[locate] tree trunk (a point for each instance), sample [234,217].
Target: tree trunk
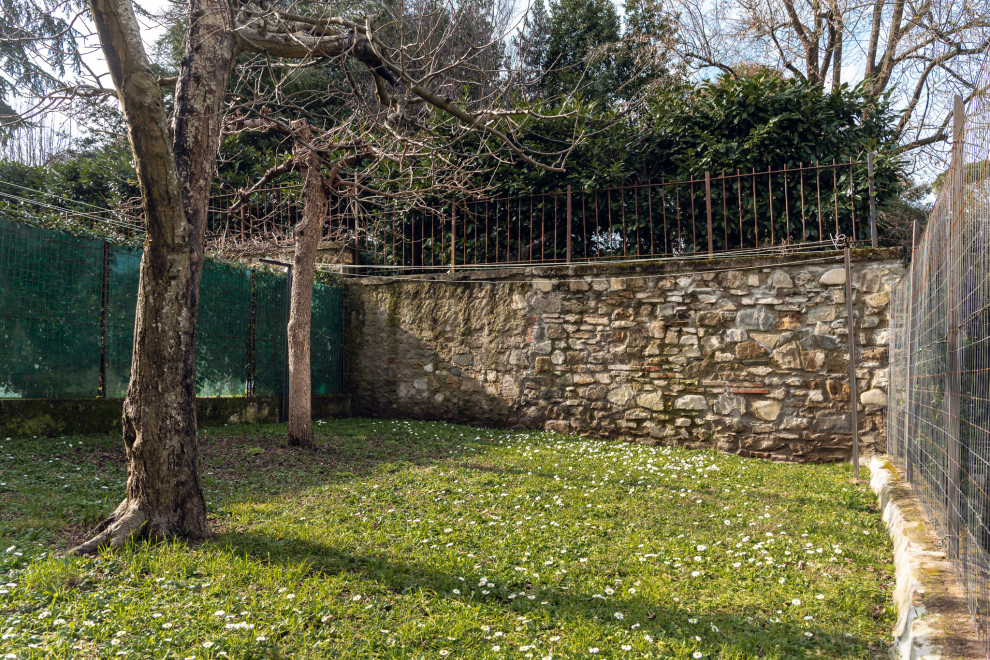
[164,491]
[307,235]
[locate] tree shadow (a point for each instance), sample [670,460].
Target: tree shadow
[755,635]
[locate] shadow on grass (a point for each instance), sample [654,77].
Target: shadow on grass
[719,631]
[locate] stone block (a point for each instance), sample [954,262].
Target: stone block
[728,404]
[789,321]
[621,396]
[813,360]
[878,300]
[756,318]
[833,277]
[578,286]
[766,409]
[651,400]
[750,350]
[656,329]
[787,356]
[873,397]
[709,319]
[766,339]
[821,314]
[712,343]
[736,334]
[780,280]
[833,423]
[691,402]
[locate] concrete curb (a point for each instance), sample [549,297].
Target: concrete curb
[933,621]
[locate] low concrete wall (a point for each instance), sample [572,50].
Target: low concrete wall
[748,355]
[51,417]
[932,617]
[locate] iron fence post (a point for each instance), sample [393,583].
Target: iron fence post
[453,236]
[873,200]
[853,387]
[708,208]
[568,223]
[953,254]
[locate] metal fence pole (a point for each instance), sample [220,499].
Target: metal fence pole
[953,254]
[568,223]
[909,369]
[453,236]
[873,200]
[854,389]
[708,208]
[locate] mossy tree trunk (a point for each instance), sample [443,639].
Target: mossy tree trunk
[164,491]
[307,234]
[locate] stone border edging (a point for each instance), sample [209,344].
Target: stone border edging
[933,620]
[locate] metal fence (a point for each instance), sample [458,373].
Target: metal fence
[939,426]
[737,211]
[67,307]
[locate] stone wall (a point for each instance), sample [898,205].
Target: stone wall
[747,355]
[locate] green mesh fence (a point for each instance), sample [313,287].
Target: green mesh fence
[223,331]
[269,333]
[50,294]
[55,340]
[124,270]
[326,340]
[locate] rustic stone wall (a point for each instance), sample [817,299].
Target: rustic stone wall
[747,355]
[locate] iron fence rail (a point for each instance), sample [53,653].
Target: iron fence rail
[939,426]
[736,211]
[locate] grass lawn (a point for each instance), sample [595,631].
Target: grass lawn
[399,539]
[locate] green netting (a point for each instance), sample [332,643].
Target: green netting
[125,269]
[50,295]
[327,340]
[269,333]
[223,331]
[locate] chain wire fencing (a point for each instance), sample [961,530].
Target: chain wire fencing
[67,305]
[939,426]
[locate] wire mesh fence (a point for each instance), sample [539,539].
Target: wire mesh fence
[67,307]
[939,426]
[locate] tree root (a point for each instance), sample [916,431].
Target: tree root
[127,523]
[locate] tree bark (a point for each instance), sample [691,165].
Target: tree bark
[164,491]
[307,234]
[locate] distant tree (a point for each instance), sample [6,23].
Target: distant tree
[529,50]
[923,51]
[581,48]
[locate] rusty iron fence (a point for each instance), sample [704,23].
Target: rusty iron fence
[738,211]
[939,426]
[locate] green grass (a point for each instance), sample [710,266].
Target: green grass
[399,539]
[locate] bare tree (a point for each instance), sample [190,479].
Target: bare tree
[926,51]
[419,102]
